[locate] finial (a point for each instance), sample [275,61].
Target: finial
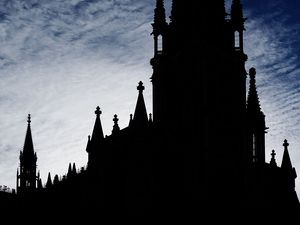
[116,127]
[273,161]
[285,144]
[98,111]
[252,72]
[115,119]
[141,87]
[29,119]
[273,154]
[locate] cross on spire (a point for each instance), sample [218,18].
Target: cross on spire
[116,127]
[285,144]
[115,119]
[273,161]
[273,154]
[98,111]
[141,87]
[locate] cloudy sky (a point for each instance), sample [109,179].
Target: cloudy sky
[59,59]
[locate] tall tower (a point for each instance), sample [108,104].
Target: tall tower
[95,142]
[256,127]
[199,94]
[26,175]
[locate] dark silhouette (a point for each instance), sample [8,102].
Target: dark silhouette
[202,151]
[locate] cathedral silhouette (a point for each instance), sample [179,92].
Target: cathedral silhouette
[201,151]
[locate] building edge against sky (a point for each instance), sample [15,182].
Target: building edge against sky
[186,52]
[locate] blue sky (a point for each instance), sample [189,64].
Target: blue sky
[59,59]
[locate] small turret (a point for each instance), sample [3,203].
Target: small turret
[116,127]
[140,118]
[256,126]
[159,27]
[286,160]
[273,161]
[287,168]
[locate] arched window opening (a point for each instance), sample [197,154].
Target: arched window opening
[237,40]
[159,44]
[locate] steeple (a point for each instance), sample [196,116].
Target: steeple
[286,161]
[140,117]
[116,127]
[27,178]
[273,161]
[28,144]
[288,169]
[253,105]
[94,143]
[97,135]
[256,127]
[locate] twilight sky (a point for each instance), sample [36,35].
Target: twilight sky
[59,59]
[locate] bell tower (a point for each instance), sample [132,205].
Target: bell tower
[26,175]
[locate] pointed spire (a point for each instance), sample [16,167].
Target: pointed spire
[273,161]
[49,181]
[74,171]
[116,127]
[69,170]
[253,105]
[28,144]
[55,180]
[237,17]
[286,161]
[97,132]
[140,114]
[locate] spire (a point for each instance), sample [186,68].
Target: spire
[74,171]
[28,144]
[160,23]
[237,17]
[140,115]
[273,161]
[69,170]
[49,181]
[116,127]
[97,132]
[253,105]
[286,161]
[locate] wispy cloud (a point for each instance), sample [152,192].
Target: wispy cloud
[61,59]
